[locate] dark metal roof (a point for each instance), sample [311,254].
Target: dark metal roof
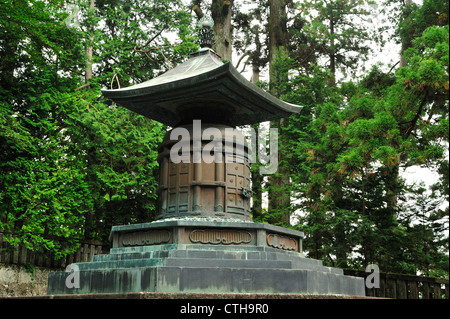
[203,88]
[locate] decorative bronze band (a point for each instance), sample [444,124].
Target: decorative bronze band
[282,242]
[152,237]
[225,237]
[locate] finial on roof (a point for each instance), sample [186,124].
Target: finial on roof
[206,33]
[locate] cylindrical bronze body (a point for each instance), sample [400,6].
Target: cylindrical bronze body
[204,172]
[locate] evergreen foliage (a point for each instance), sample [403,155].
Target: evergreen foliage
[72,164]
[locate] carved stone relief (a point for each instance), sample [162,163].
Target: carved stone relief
[216,236]
[282,242]
[152,237]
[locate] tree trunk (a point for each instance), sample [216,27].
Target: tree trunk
[277,30]
[279,190]
[8,60]
[365,244]
[395,171]
[89,47]
[255,74]
[405,44]
[332,53]
[221,13]
[197,8]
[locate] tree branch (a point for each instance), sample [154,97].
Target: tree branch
[57,4]
[83,86]
[416,117]
[390,70]
[241,58]
[143,51]
[197,9]
[150,41]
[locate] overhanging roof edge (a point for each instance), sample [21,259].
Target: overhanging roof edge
[147,100]
[224,70]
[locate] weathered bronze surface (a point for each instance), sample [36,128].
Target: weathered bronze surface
[215,187]
[203,88]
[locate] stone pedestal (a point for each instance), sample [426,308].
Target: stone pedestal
[207,231]
[198,255]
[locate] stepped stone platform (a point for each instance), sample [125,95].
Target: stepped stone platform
[203,296]
[191,256]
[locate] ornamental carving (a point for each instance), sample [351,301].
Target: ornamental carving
[152,237]
[282,242]
[224,237]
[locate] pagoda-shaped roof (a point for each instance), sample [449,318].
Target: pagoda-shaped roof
[203,88]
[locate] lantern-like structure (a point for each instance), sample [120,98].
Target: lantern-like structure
[204,239]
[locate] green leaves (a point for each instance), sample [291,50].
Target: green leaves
[72,166]
[428,62]
[349,155]
[119,149]
[336,31]
[132,45]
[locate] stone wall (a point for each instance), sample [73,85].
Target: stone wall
[25,281]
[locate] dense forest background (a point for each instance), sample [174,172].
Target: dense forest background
[72,164]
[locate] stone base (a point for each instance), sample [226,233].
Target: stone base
[179,296]
[205,257]
[206,231]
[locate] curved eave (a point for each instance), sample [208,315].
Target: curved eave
[223,84]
